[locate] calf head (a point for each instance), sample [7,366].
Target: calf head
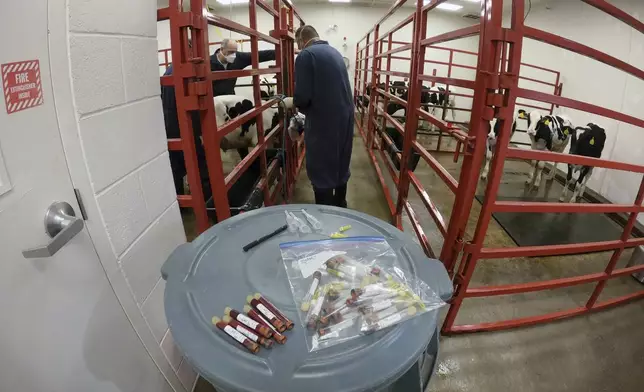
[590,141]
[239,109]
[399,89]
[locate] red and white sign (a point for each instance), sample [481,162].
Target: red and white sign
[21,84]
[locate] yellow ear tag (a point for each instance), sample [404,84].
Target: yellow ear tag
[522,115]
[592,141]
[547,122]
[566,131]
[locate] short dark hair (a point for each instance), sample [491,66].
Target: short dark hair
[306,33]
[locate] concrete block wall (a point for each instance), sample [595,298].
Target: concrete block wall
[134,218]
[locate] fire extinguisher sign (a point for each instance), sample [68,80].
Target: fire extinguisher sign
[21,84]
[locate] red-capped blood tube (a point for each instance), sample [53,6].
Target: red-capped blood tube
[267,343]
[289,324]
[252,313]
[250,323]
[306,301]
[238,336]
[266,313]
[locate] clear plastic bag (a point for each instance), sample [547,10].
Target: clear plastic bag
[350,287]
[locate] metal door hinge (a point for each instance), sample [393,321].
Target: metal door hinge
[81,206]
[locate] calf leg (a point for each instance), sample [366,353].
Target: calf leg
[537,180]
[551,173]
[486,168]
[533,166]
[580,187]
[564,192]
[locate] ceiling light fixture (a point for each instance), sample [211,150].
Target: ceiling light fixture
[339,1]
[449,6]
[228,2]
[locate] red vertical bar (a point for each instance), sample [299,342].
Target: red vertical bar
[413,102]
[211,139]
[492,27]
[178,45]
[355,77]
[372,96]
[254,58]
[440,131]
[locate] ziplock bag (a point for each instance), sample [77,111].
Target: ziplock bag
[349,287]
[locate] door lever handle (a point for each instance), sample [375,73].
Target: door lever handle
[61,224]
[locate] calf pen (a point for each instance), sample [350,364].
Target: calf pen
[495,90]
[192,81]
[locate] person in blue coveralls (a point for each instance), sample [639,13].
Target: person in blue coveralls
[323,95]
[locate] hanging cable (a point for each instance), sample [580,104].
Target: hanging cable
[529,9]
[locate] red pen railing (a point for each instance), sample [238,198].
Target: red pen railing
[500,84]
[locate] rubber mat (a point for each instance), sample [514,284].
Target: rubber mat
[533,229]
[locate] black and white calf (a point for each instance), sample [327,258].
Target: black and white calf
[399,89]
[493,134]
[228,107]
[586,141]
[552,133]
[438,96]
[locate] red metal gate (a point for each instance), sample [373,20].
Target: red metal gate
[192,80]
[495,93]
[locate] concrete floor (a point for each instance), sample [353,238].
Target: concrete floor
[599,352]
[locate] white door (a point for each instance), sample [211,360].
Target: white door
[62,328]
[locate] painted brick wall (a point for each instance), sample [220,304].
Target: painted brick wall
[115,84]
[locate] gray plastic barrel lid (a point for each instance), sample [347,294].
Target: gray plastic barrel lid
[212,272]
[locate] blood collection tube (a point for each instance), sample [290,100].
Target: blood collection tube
[238,336]
[339,274]
[337,327]
[267,343]
[266,313]
[334,261]
[247,321]
[389,320]
[252,313]
[289,324]
[334,289]
[377,306]
[306,302]
[313,315]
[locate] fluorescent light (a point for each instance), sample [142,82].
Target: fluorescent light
[339,1]
[449,6]
[227,2]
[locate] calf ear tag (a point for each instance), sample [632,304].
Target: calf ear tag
[566,131]
[547,122]
[592,141]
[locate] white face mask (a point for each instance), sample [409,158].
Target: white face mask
[230,58]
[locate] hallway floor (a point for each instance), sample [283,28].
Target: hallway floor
[600,352]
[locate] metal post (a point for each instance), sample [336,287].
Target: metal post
[491,41]
[468,179]
[181,73]
[413,103]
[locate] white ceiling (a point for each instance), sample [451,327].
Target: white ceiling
[469,6]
